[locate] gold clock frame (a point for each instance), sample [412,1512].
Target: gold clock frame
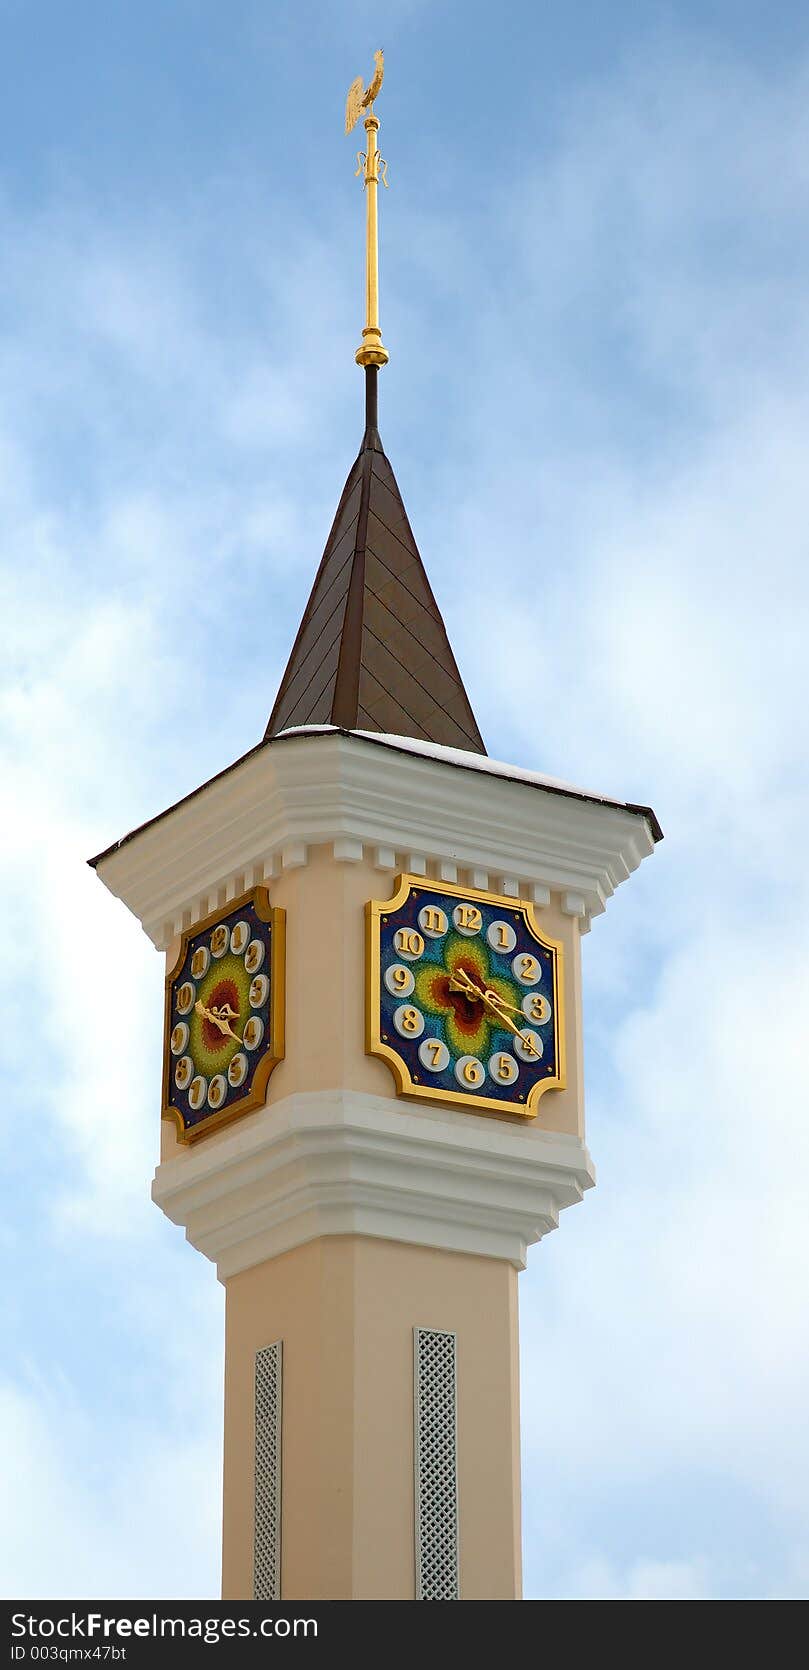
[266,912]
[375,909]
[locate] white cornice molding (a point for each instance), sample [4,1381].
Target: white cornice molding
[271,808]
[341,1162]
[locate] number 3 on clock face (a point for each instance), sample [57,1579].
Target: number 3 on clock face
[464,997]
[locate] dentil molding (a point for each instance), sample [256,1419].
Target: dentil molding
[426,809]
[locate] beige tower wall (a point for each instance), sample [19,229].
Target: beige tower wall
[345,1308]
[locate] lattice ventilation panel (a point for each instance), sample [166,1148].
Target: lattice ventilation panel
[267,1528]
[436,1453]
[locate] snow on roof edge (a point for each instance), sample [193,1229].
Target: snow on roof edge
[477,762]
[456,757]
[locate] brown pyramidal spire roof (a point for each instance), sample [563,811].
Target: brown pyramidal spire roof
[372,651]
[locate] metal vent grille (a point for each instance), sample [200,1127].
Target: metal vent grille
[436,1466]
[267,1526]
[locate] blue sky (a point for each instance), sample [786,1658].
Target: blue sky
[594,256]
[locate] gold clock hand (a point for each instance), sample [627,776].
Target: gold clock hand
[502,1004]
[462,982]
[524,1037]
[216,1018]
[221,1018]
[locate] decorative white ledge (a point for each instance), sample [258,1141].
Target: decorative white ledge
[345,1163]
[427,809]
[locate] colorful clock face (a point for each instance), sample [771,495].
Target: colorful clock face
[464,997]
[224,1015]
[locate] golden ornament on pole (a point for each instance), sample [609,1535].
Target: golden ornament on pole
[372,166]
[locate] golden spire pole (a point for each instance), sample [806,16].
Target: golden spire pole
[372,166]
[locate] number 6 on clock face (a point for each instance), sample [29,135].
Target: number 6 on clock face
[464,997]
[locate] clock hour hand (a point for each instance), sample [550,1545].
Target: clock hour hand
[462,982]
[219,1017]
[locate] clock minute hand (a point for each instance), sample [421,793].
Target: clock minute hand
[498,1007]
[217,1020]
[524,1037]
[222,1018]
[516,1009]
[462,982]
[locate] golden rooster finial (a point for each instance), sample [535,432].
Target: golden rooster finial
[358,100]
[372,167]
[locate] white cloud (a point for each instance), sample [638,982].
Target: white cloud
[82,1515]
[596,1579]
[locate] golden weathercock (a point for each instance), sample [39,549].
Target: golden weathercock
[371,164]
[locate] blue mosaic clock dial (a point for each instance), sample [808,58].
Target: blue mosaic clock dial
[224,1015]
[465,997]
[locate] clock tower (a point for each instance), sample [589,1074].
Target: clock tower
[373,1099]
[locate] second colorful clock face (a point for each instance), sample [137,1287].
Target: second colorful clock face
[224,1015]
[464,998]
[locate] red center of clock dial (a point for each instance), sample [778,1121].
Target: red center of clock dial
[224,996]
[466,1010]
